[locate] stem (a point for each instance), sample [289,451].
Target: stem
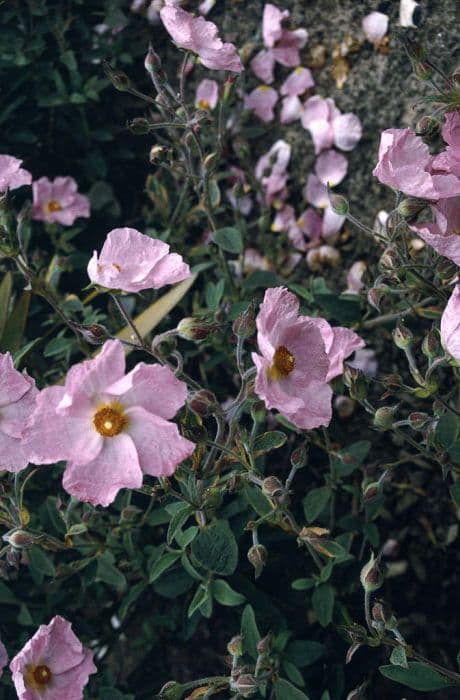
[367,611]
[128,320]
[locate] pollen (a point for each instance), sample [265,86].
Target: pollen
[117,267]
[283,363]
[109,420]
[52,206]
[203,104]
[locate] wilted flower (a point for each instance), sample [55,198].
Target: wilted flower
[450,325]
[132,261]
[108,426]
[261,101]
[12,175]
[201,37]
[53,664]
[207,94]
[299,355]
[58,201]
[17,401]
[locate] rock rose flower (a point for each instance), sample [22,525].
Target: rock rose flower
[299,356]
[53,665]
[328,126]
[108,426]
[12,175]
[450,325]
[271,169]
[131,261]
[207,94]
[405,163]
[444,233]
[17,401]
[261,101]
[58,201]
[201,37]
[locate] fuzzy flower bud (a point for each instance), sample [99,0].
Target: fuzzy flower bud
[265,644]
[427,127]
[371,575]
[389,260]
[299,457]
[383,418]
[257,556]
[402,337]
[235,646]
[339,204]
[19,539]
[371,492]
[374,297]
[410,207]
[152,62]
[203,403]
[139,126]
[93,333]
[244,326]
[119,80]
[446,269]
[431,345]
[356,382]
[191,328]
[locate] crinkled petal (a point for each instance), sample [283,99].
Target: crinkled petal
[450,325]
[262,65]
[347,131]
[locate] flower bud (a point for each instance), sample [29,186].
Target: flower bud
[299,457]
[265,644]
[446,269]
[19,539]
[93,333]
[244,326]
[257,556]
[191,328]
[203,403]
[371,492]
[431,345]
[339,204]
[139,126]
[410,207]
[392,383]
[152,62]
[402,337]
[389,260]
[374,297]
[245,685]
[418,421]
[427,127]
[371,575]
[356,382]
[235,646]
[383,418]
[119,80]
[271,485]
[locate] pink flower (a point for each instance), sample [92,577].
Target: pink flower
[271,169]
[53,665]
[17,401]
[58,201]
[405,163]
[110,427]
[451,129]
[285,220]
[262,100]
[375,26]
[299,355]
[291,109]
[355,276]
[327,126]
[450,325]
[331,167]
[449,159]
[281,45]
[200,36]
[310,223]
[444,234]
[12,175]
[207,94]
[297,82]
[132,261]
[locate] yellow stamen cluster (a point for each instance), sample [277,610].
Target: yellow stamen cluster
[52,206]
[38,676]
[283,363]
[109,420]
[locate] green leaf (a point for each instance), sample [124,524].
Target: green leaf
[162,564]
[323,603]
[303,584]
[250,632]
[293,673]
[178,520]
[447,430]
[315,502]
[417,676]
[257,500]
[225,595]
[229,239]
[215,548]
[284,690]
[350,458]
[455,493]
[40,561]
[108,572]
[200,597]
[304,652]
[269,441]
[398,657]
[6,286]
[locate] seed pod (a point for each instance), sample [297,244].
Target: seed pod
[257,556]
[235,646]
[383,418]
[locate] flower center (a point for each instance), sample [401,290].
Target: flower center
[38,677]
[52,206]
[283,363]
[203,104]
[110,420]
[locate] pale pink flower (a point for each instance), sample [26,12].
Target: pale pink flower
[17,401]
[299,355]
[451,129]
[450,325]
[449,159]
[281,45]
[272,28]
[365,359]
[58,201]
[327,126]
[207,94]
[131,261]
[201,37]
[310,223]
[316,193]
[271,169]
[347,130]
[285,220]
[355,276]
[262,101]
[206,6]
[108,426]
[53,665]
[12,175]
[444,234]
[263,65]
[331,167]
[375,26]
[291,109]
[297,82]
[405,163]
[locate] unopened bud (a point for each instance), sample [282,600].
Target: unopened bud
[402,337]
[274,489]
[356,382]
[235,646]
[431,345]
[374,297]
[245,685]
[257,556]
[418,421]
[229,87]
[371,575]
[19,539]
[139,126]
[383,418]
[203,403]
[371,492]
[339,204]
[392,383]
[427,127]
[152,62]
[119,80]
[265,644]
[299,457]
[244,326]
[410,207]
[389,260]
[446,269]
[93,333]
[197,329]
